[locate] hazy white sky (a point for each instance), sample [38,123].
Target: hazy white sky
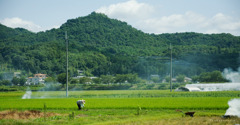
[150,16]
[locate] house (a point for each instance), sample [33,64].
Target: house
[80,74]
[187,79]
[37,79]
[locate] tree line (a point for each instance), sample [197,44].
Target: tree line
[103,46]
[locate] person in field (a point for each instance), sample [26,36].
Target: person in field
[80,104]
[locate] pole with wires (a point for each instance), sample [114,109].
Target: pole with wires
[171,69]
[66,62]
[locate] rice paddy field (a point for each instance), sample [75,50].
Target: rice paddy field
[117,107]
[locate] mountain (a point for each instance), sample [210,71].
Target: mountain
[100,45]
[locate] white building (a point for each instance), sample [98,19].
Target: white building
[37,79]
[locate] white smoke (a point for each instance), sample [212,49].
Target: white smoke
[234,108]
[28,94]
[233,76]
[228,73]
[215,87]
[234,104]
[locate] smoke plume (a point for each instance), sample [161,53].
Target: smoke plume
[233,76]
[234,108]
[28,94]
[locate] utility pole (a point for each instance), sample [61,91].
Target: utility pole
[171,70]
[67,62]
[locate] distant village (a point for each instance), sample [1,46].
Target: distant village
[39,78]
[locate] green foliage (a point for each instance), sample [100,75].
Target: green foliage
[45,109]
[210,77]
[123,102]
[7,89]
[99,46]
[71,116]
[121,107]
[167,78]
[195,79]
[62,78]
[74,81]
[155,79]
[22,81]
[139,110]
[107,79]
[85,80]
[120,78]
[97,80]
[50,79]
[180,78]
[15,80]
[132,78]
[5,82]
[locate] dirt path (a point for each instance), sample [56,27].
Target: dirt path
[28,114]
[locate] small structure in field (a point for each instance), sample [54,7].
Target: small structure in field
[187,89]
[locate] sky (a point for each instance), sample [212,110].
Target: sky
[150,16]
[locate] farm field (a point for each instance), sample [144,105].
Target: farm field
[117,107]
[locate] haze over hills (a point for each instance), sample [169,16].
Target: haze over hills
[100,45]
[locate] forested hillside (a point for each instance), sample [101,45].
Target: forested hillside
[100,45]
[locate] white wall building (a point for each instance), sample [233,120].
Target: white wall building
[37,79]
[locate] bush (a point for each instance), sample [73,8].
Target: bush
[210,77]
[5,82]
[163,86]
[5,88]
[180,78]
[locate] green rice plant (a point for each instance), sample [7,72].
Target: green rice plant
[44,109]
[116,107]
[120,99]
[121,103]
[139,110]
[71,116]
[119,94]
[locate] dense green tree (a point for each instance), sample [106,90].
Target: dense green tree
[62,78]
[107,79]
[97,80]
[85,80]
[50,80]
[167,78]
[74,81]
[132,78]
[120,78]
[5,82]
[1,75]
[15,80]
[155,79]
[180,78]
[22,81]
[195,79]
[211,77]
